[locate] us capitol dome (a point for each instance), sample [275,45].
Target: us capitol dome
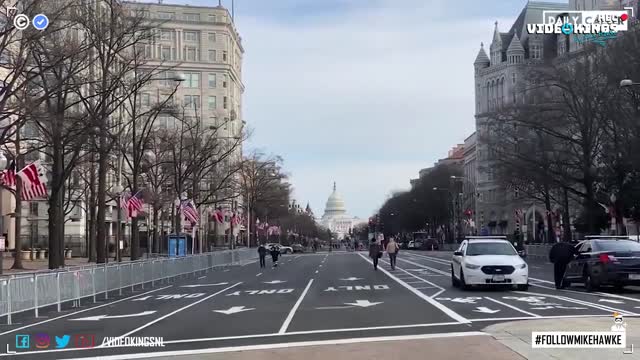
[335,217]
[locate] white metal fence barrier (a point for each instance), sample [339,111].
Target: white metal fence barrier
[19,293]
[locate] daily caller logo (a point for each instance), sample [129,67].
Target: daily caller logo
[582,22]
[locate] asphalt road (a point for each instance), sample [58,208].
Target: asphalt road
[309,297]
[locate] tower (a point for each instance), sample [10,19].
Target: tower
[496,47]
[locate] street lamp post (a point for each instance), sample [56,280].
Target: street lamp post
[475,196]
[450,209]
[3,165]
[118,190]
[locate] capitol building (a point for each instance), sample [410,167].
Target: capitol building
[335,217]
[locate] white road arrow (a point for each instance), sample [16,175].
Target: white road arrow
[233,310]
[351,279]
[612,301]
[363,303]
[485,310]
[543,308]
[100,317]
[201,285]
[274,282]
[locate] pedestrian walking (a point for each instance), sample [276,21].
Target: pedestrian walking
[392,250]
[275,252]
[262,253]
[375,252]
[560,255]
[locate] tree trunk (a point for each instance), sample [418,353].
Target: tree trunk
[91,206]
[156,223]
[566,217]
[101,224]
[547,203]
[17,263]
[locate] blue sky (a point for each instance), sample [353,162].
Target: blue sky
[361,92]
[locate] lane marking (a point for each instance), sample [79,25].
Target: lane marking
[540,318]
[81,311]
[512,307]
[414,276]
[433,259]
[295,307]
[317,271]
[581,302]
[281,345]
[452,314]
[586,293]
[170,314]
[426,287]
[259,274]
[202,277]
[437,271]
[249,263]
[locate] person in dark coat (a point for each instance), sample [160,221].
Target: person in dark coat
[262,252]
[275,252]
[560,255]
[375,252]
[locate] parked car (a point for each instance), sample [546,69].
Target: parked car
[297,248]
[605,261]
[430,244]
[283,249]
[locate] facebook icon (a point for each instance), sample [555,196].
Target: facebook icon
[22,341]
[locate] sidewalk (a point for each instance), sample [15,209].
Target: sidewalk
[477,347]
[36,265]
[517,336]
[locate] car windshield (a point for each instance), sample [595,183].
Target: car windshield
[490,248]
[616,245]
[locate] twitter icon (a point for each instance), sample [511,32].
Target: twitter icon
[62,342]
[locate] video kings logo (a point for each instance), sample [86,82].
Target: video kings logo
[582,22]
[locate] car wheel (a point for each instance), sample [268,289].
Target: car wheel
[589,283]
[463,283]
[454,281]
[523,287]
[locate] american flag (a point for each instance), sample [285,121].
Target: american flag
[189,211]
[8,176]
[33,182]
[132,204]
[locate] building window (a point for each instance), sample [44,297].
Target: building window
[191,80]
[224,81]
[212,80]
[212,17]
[191,36]
[212,37]
[513,78]
[224,56]
[33,208]
[192,101]
[212,102]
[192,17]
[146,99]
[166,35]
[165,53]
[224,102]
[190,53]
[165,15]
[535,52]
[212,56]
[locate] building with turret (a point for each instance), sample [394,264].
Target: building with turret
[499,80]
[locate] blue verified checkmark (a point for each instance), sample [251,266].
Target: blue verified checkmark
[40,22]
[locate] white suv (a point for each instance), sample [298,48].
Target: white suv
[488,261]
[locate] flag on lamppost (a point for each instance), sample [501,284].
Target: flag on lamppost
[132,205]
[189,210]
[8,176]
[33,181]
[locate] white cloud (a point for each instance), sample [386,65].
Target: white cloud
[364,98]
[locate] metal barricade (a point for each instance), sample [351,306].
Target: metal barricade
[19,293]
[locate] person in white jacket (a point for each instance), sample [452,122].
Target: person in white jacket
[392,250]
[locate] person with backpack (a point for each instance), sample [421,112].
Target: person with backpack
[392,250]
[375,252]
[262,253]
[275,252]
